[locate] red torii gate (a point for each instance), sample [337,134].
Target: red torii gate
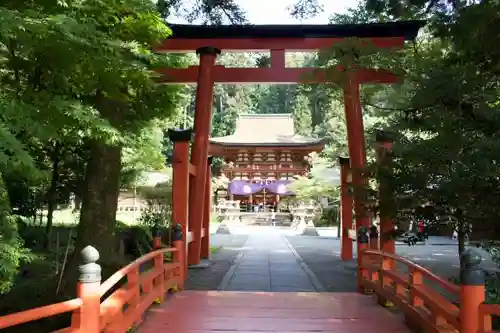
[210,41]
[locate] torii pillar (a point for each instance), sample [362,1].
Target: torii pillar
[199,152]
[180,181]
[356,147]
[207,211]
[346,203]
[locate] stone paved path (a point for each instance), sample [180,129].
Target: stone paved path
[228,248]
[269,263]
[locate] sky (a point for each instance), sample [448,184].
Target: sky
[275,11]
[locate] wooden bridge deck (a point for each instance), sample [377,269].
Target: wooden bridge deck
[265,312]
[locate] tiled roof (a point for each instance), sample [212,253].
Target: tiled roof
[265,130]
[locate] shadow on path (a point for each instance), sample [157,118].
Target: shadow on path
[228,247]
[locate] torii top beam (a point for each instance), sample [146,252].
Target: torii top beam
[298,38]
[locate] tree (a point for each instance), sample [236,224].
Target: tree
[227,11]
[104,93]
[445,114]
[322,180]
[302,115]
[12,252]
[128,98]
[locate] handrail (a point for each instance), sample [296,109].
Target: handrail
[486,311]
[444,283]
[40,313]
[421,304]
[117,276]
[92,314]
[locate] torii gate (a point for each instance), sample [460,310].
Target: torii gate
[209,42]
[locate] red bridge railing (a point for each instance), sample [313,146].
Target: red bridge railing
[428,301]
[120,302]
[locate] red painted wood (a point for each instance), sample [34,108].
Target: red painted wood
[207,213]
[199,152]
[357,152]
[245,312]
[346,217]
[180,186]
[184,45]
[271,75]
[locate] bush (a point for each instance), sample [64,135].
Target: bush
[12,250]
[329,217]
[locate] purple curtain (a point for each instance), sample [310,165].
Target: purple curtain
[279,187]
[243,187]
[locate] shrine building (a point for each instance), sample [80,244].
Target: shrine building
[263,156]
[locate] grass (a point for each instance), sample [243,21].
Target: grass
[215,249]
[66,217]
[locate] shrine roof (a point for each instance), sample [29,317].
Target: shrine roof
[406,29]
[265,130]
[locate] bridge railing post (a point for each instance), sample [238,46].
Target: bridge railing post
[156,232]
[180,255]
[87,318]
[362,239]
[373,237]
[158,261]
[472,291]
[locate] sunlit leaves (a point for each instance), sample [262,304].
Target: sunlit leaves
[305,9]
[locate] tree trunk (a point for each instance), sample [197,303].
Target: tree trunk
[100,200]
[461,232]
[461,241]
[98,211]
[52,195]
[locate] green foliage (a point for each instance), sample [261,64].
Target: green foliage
[319,182]
[447,149]
[159,205]
[12,252]
[330,216]
[302,115]
[227,11]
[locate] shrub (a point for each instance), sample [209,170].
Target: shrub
[329,217]
[12,250]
